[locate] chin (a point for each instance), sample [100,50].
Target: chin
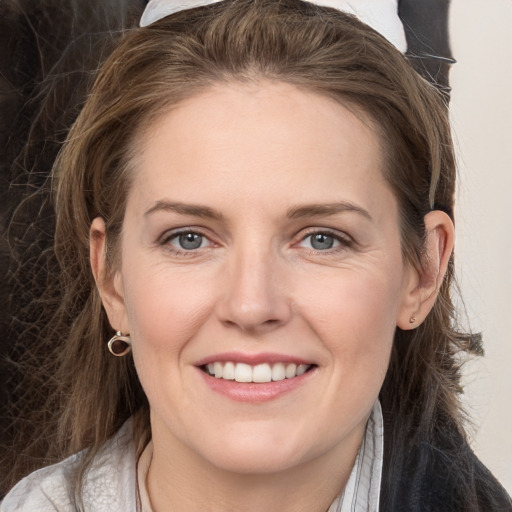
[261,453]
[254,462]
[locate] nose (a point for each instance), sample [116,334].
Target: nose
[254,294]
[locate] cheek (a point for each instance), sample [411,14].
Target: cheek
[164,309]
[355,315]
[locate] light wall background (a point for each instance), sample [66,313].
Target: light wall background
[481,40]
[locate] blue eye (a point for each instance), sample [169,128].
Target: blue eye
[320,241]
[188,240]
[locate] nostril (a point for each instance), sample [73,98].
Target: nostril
[253,327]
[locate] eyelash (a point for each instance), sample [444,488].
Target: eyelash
[167,238]
[343,240]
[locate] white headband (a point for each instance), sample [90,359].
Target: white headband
[382,15]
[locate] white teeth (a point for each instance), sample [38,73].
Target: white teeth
[241,372]
[290,370]
[278,372]
[218,370]
[302,369]
[229,371]
[262,373]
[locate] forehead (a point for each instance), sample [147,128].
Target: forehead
[256,141]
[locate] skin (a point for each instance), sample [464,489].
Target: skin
[253,154]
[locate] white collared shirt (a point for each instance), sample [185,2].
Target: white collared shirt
[362,491]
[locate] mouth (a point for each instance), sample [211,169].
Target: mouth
[259,373]
[255,378]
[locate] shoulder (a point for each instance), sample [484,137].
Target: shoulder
[109,484]
[443,477]
[456,475]
[44,490]
[449,485]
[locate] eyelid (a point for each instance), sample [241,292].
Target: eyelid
[172,234]
[343,238]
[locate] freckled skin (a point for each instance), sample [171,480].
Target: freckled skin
[257,284]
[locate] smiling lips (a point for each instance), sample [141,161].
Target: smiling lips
[255,378]
[259,373]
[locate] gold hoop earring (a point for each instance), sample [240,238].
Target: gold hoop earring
[119,345]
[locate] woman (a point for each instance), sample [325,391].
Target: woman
[257,196]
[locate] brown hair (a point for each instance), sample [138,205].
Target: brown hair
[313,48]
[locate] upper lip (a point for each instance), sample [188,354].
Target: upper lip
[252,359]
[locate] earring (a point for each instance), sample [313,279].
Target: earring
[412,320]
[119,345]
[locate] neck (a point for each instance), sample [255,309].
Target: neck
[186,482]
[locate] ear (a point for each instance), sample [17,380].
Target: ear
[109,282]
[423,285]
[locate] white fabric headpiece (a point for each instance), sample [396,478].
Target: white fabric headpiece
[382,15]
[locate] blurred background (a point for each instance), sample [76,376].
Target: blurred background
[481,42]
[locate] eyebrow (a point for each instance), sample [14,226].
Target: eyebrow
[296,212]
[185,209]
[324,210]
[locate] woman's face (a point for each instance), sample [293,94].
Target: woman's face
[261,277]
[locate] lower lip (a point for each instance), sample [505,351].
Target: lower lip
[252,391]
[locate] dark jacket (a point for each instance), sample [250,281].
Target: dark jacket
[436,479]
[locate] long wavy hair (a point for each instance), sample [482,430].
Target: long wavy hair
[49,52]
[91,394]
